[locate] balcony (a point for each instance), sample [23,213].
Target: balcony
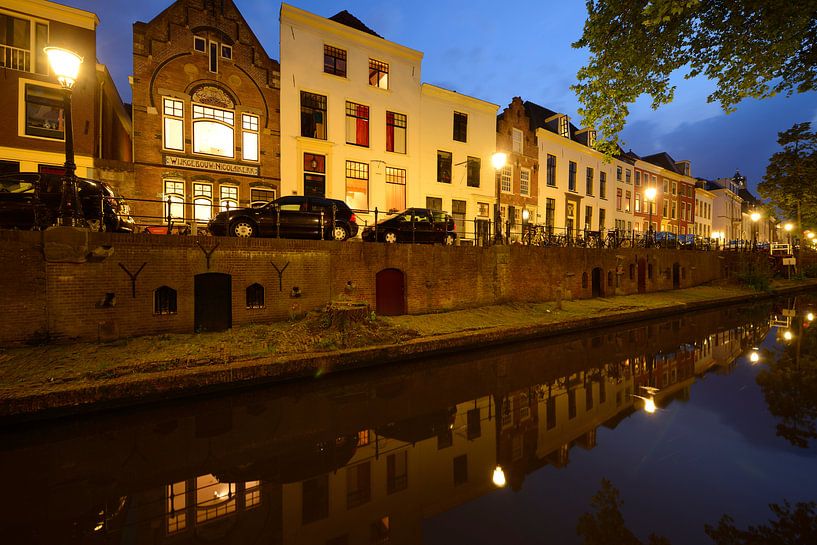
[15,58]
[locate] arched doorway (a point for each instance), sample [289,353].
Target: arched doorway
[598,287]
[642,275]
[213,299]
[676,275]
[390,292]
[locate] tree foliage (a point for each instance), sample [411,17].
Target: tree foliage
[790,182]
[606,526]
[750,48]
[792,526]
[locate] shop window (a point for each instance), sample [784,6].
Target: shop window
[395,189]
[202,202]
[357,124]
[357,185]
[334,61]
[313,115]
[173,124]
[164,300]
[44,112]
[378,74]
[396,125]
[255,296]
[228,197]
[213,131]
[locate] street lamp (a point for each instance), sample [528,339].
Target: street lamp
[649,196]
[755,217]
[498,161]
[65,65]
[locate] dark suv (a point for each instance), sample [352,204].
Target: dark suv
[30,200]
[293,216]
[413,225]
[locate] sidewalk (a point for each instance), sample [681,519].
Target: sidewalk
[61,379]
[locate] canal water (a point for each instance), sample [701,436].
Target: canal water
[658,427]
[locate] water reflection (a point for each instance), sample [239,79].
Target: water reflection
[368,457]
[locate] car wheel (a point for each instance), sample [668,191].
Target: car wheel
[390,237]
[340,233]
[448,240]
[242,228]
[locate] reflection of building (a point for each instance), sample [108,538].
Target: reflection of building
[205,113]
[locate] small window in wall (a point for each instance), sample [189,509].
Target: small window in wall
[255,296]
[44,112]
[357,124]
[164,300]
[314,175]
[551,170]
[313,115]
[395,188]
[378,74]
[259,196]
[444,167]
[571,176]
[483,209]
[396,125]
[249,137]
[603,184]
[524,182]
[213,57]
[173,124]
[199,44]
[474,166]
[518,140]
[174,193]
[357,185]
[460,127]
[228,197]
[334,61]
[202,202]
[434,203]
[226,51]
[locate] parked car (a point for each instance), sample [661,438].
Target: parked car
[413,225]
[30,200]
[293,216]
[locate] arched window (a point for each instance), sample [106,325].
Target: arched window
[164,301]
[228,197]
[213,131]
[174,192]
[202,202]
[255,296]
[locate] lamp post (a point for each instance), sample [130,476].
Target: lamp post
[498,161]
[755,217]
[649,196]
[65,65]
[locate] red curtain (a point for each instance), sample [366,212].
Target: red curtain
[362,124]
[389,131]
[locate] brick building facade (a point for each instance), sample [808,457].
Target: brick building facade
[516,138]
[205,114]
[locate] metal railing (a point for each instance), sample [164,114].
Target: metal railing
[15,58]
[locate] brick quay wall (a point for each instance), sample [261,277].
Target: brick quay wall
[111,292]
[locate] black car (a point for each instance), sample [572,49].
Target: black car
[31,200]
[413,225]
[294,216]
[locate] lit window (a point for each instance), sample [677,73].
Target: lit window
[174,193]
[378,74]
[176,510]
[202,202]
[173,124]
[518,140]
[396,132]
[395,188]
[357,124]
[334,61]
[564,126]
[506,179]
[44,112]
[228,199]
[260,196]
[313,115]
[213,131]
[524,182]
[214,499]
[460,127]
[249,137]
[314,175]
[357,185]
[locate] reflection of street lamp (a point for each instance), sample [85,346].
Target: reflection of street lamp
[649,196]
[754,357]
[499,477]
[65,65]
[788,226]
[787,335]
[498,161]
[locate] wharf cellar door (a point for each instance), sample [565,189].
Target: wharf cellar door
[213,302]
[598,290]
[390,292]
[642,275]
[676,275]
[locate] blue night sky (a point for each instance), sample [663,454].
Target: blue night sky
[479,49]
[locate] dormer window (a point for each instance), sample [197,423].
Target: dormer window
[591,139]
[199,44]
[564,126]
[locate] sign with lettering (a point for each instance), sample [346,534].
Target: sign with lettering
[205,164]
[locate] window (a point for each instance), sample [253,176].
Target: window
[357,185]
[589,188]
[564,126]
[395,188]
[334,61]
[506,179]
[628,176]
[483,209]
[315,499]
[654,179]
[314,175]
[358,485]
[551,170]
[674,188]
[571,394]
[313,115]
[432,203]
[458,212]
[213,131]
[550,214]
[618,199]
[176,511]
[627,201]
[226,51]
[603,185]
[397,472]
[588,218]
[44,112]
[228,197]
[673,209]
[255,296]
[638,202]
[378,74]
[637,178]
[444,167]
[199,44]
[249,137]
[524,182]
[571,176]
[460,469]
[173,124]
[460,127]
[666,210]
[15,44]
[213,57]
[174,192]
[618,174]
[591,139]
[474,166]
[164,300]
[666,186]
[602,219]
[396,132]
[357,124]
[202,202]
[260,196]
[518,140]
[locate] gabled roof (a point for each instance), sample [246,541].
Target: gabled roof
[663,160]
[538,116]
[346,18]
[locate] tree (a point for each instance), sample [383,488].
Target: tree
[750,48]
[790,182]
[791,527]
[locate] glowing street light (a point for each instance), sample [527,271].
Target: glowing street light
[787,335]
[498,161]
[649,196]
[754,357]
[810,317]
[755,217]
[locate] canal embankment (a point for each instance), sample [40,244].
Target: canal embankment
[62,379]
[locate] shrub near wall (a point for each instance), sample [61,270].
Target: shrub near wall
[95,300]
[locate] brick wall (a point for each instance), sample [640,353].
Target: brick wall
[67,300]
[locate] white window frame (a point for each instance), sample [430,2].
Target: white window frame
[173,190]
[256,202]
[250,132]
[172,115]
[203,41]
[365,175]
[202,114]
[202,202]
[518,140]
[524,182]
[506,175]
[228,197]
